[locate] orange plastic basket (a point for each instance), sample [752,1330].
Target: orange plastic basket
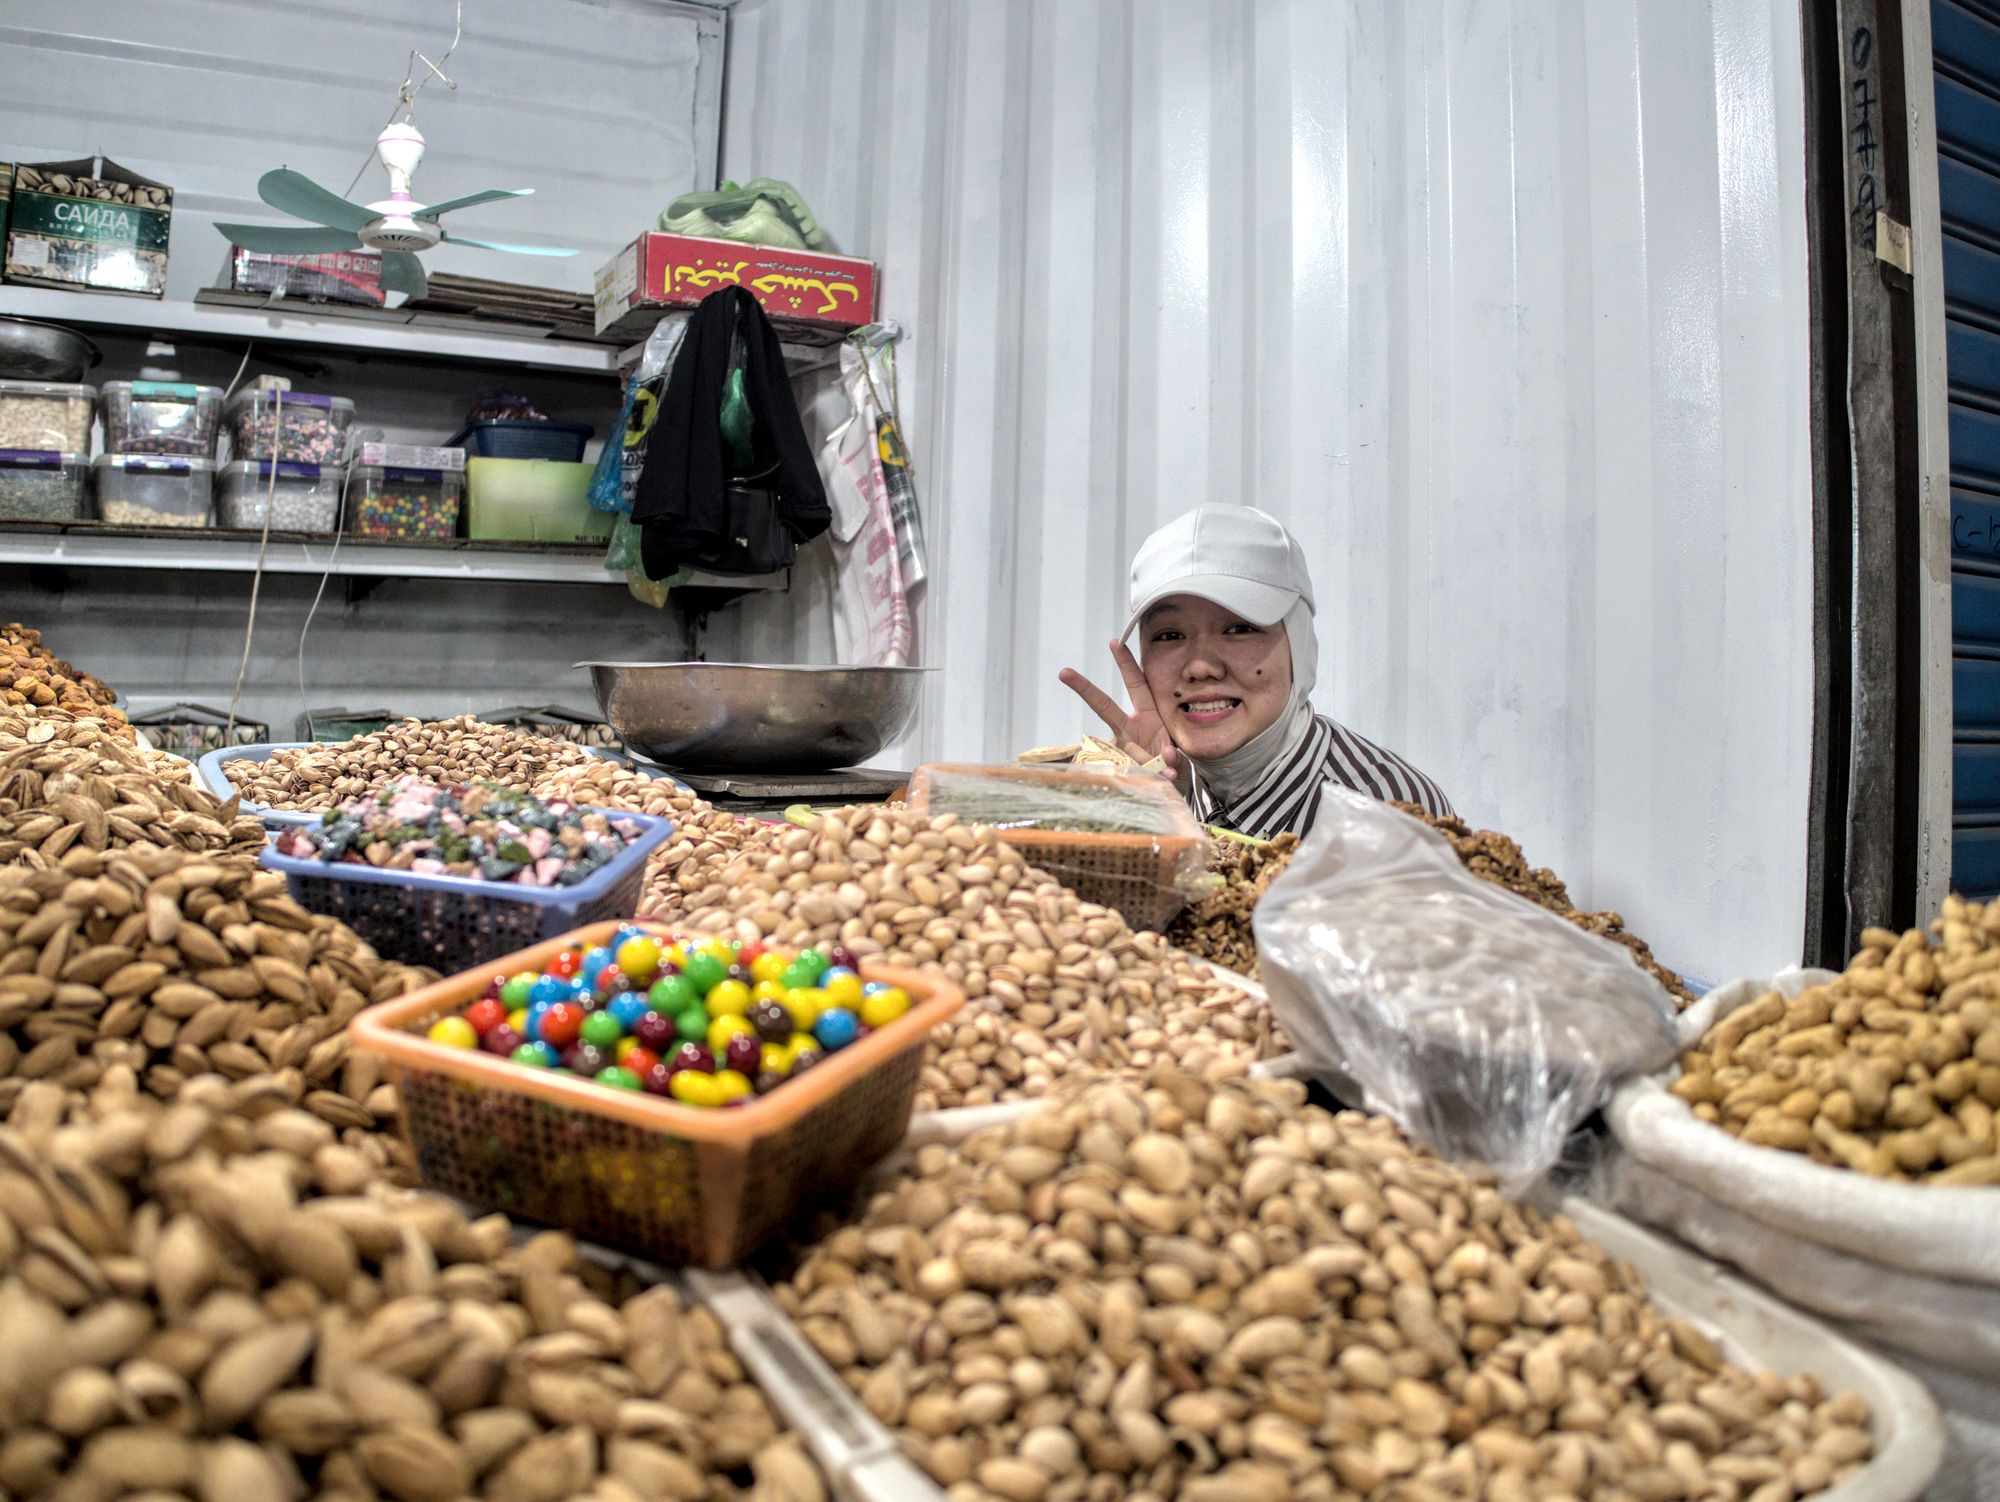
[1139,875]
[673,1183]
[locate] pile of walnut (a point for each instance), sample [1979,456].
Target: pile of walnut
[69,786]
[1893,1068]
[216,1299]
[34,677]
[1055,984]
[1215,1293]
[1218,927]
[324,775]
[176,965]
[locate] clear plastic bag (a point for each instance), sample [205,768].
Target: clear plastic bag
[1128,843]
[1485,1025]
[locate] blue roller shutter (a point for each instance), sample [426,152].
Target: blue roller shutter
[1965,46]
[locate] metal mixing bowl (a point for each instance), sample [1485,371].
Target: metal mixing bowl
[35,351]
[741,717]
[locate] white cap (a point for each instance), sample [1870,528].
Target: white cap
[1241,558]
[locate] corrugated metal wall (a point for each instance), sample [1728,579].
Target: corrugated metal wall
[1500,304]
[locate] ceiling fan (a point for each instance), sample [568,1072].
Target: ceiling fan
[398,226]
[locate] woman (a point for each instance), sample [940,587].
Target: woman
[1220,688]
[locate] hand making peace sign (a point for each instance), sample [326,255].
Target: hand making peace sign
[1140,733]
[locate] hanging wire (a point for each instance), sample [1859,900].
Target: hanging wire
[406,96]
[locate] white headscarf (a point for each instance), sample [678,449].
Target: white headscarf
[1229,777]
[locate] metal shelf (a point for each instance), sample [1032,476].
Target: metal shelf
[213,551]
[391,331]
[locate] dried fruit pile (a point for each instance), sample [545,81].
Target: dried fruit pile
[177,965]
[1892,1069]
[322,776]
[1218,927]
[1055,983]
[216,1299]
[1215,1293]
[67,786]
[33,676]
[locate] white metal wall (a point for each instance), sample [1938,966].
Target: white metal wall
[1500,304]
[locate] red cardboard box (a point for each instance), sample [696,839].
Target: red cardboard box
[806,293]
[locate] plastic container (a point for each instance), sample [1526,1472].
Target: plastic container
[520,438]
[217,781]
[153,490]
[161,417]
[1145,875]
[452,922]
[46,415]
[665,1181]
[406,505]
[861,1457]
[307,429]
[301,497]
[532,500]
[41,485]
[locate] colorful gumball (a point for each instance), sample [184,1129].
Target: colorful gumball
[655,1031]
[880,1008]
[453,1032]
[586,1059]
[692,1087]
[692,1024]
[595,962]
[658,1080]
[704,971]
[618,1078]
[772,1021]
[536,1056]
[722,1029]
[734,1085]
[486,1014]
[743,1053]
[671,995]
[503,1040]
[565,964]
[603,1029]
[559,1024]
[842,956]
[628,1009]
[729,998]
[694,1056]
[639,957]
[635,1056]
[842,987]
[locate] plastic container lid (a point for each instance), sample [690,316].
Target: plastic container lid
[41,459]
[156,464]
[396,474]
[244,399]
[288,469]
[161,391]
[45,388]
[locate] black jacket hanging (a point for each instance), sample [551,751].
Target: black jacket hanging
[688,506]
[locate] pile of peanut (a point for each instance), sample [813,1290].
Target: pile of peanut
[322,776]
[1892,1069]
[67,786]
[217,1299]
[175,965]
[1211,1292]
[1056,984]
[35,678]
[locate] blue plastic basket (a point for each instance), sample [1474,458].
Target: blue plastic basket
[213,777]
[454,923]
[518,438]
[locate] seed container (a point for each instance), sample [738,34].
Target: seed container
[669,1182]
[45,415]
[300,497]
[161,417]
[153,490]
[295,426]
[41,485]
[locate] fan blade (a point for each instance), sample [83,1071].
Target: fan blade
[470,199]
[287,242]
[514,250]
[298,195]
[403,272]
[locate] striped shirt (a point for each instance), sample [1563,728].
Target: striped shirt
[1285,800]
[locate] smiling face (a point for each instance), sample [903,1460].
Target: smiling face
[1217,680]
